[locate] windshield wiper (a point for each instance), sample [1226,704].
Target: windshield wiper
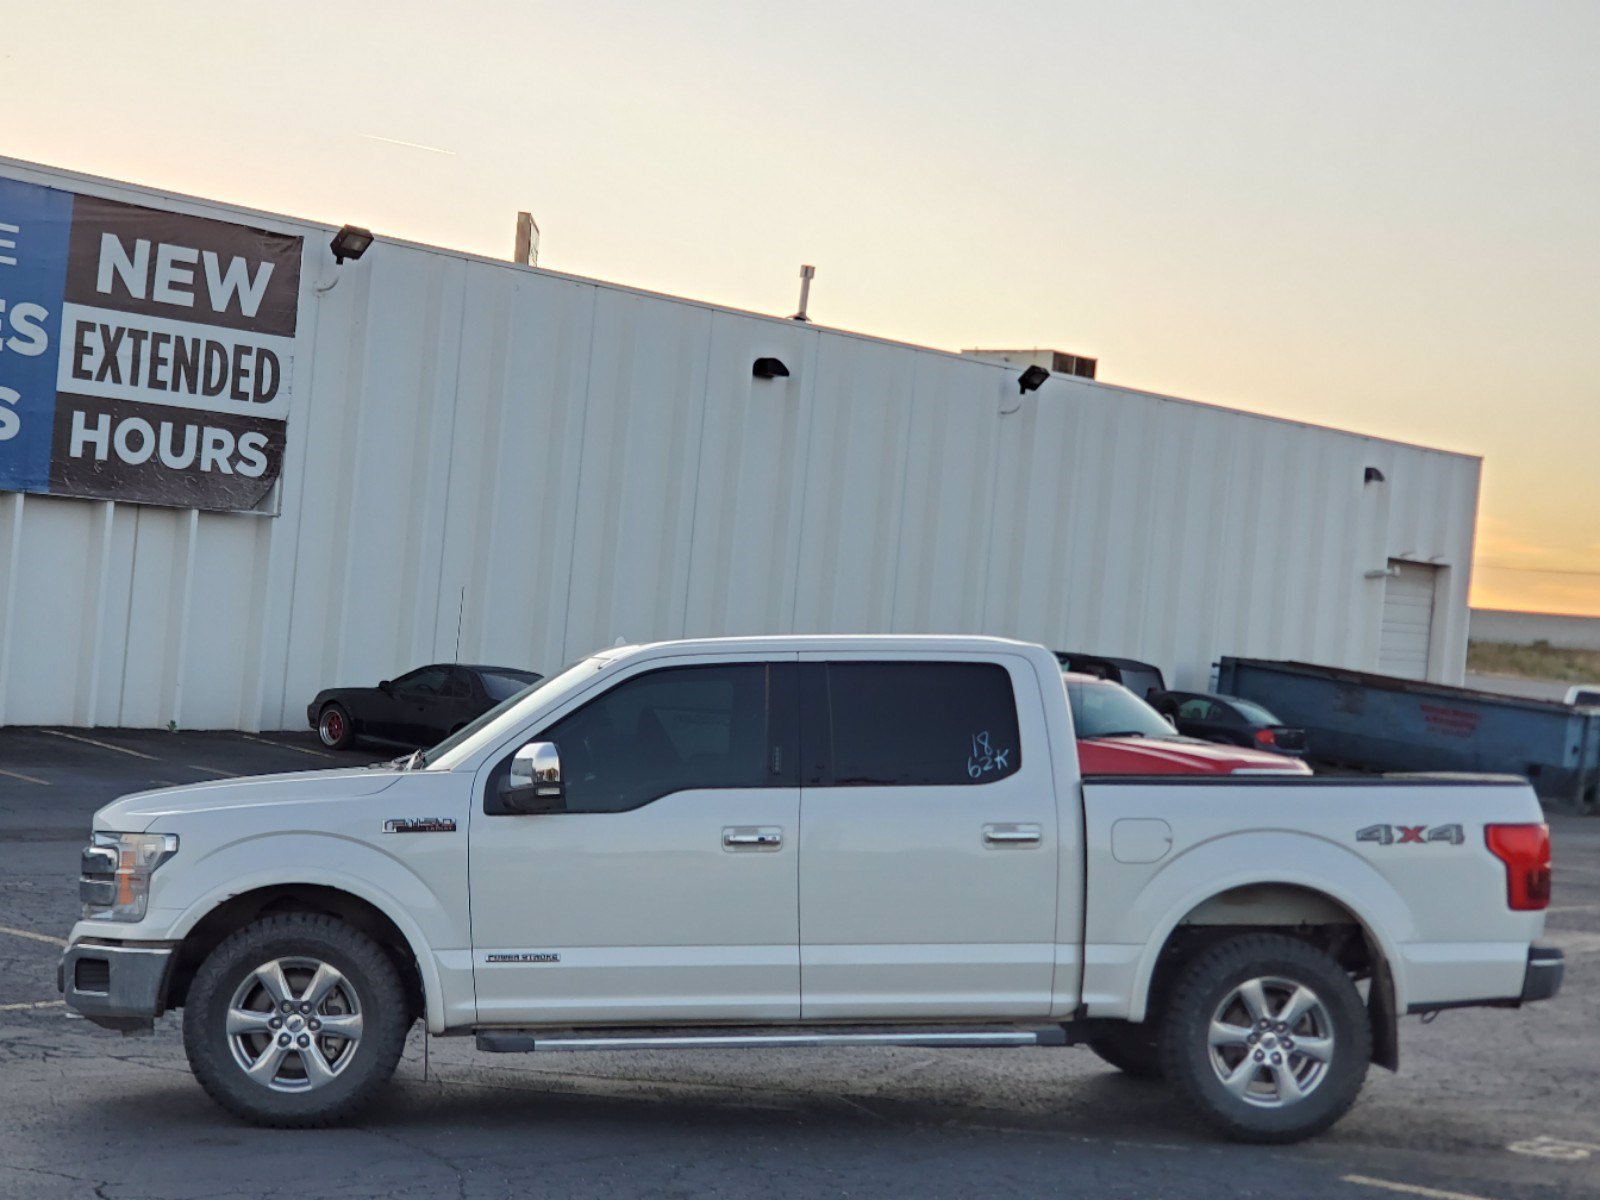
[1124,733]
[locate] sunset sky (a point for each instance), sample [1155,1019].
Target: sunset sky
[1380,216]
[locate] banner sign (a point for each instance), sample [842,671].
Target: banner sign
[145,356]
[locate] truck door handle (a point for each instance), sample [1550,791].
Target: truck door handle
[751,837]
[1012,835]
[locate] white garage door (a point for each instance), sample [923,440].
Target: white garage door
[1407,620]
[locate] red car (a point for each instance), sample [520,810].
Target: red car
[1119,734]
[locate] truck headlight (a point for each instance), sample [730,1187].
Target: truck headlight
[115,883]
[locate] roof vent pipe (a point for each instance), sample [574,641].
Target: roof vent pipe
[527,245]
[807,274]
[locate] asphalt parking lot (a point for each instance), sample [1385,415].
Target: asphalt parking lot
[1488,1104]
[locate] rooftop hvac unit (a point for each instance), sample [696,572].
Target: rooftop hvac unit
[1072,364]
[1057,362]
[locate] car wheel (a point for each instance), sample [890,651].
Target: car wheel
[295,1021]
[1267,1036]
[335,728]
[1133,1049]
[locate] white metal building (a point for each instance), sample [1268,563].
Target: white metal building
[487,462]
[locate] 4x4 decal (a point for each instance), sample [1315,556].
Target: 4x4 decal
[1391,835]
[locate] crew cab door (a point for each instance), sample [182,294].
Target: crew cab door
[929,841]
[667,888]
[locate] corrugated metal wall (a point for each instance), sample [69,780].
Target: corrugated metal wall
[491,463]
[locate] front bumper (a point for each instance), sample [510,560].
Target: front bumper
[1546,968]
[119,986]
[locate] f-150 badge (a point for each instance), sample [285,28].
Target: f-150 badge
[1401,835]
[419,825]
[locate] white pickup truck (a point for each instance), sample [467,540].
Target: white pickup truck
[807,841]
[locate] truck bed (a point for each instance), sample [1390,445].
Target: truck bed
[1406,858]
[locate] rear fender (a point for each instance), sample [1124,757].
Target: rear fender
[1314,864]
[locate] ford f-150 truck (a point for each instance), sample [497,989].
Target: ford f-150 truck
[804,841]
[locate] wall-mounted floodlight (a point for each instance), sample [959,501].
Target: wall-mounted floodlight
[769,368]
[1373,475]
[350,242]
[1032,379]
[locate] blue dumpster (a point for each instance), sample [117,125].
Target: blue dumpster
[1379,723]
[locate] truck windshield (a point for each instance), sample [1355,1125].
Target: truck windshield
[1111,710]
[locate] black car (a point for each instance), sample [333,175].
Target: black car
[420,708]
[1229,719]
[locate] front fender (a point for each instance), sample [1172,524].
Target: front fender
[1221,864]
[394,887]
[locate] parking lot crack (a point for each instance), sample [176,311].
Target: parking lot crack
[459,1172]
[99,1186]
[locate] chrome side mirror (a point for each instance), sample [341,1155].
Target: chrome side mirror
[534,784]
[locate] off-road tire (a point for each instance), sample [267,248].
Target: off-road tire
[1135,1050]
[360,962]
[1216,975]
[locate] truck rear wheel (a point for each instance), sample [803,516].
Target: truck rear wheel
[1133,1049]
[1268,1037]
[295,1021]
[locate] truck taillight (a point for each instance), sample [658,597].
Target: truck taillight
[1266,737]
[1525,850]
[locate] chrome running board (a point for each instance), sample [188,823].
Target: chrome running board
[522,1041]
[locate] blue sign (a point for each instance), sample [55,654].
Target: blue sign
[35,223]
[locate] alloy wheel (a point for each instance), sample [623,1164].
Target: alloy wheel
[1271,1042]
[331,727]
[294,1024]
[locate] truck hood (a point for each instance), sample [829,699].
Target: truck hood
[1177,756]
[136,813]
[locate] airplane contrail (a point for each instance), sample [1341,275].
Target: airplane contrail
[413,145]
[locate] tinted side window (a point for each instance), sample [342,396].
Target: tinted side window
[503,686]
[670,731]
[426,679]
[911,724]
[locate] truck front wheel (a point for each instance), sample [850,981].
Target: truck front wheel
[295,1021]
[1267,1036]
